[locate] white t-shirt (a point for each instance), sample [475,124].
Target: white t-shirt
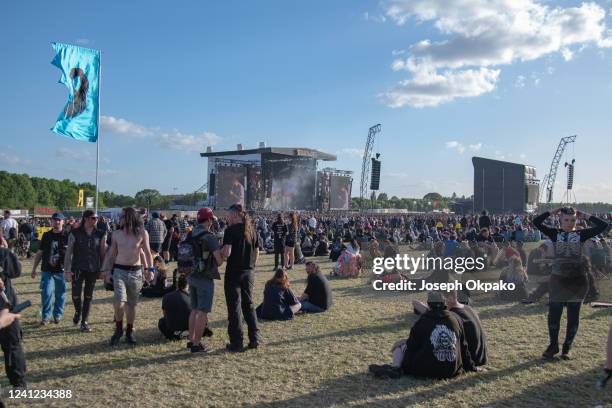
[6,226]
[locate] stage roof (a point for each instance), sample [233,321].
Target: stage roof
[286,151]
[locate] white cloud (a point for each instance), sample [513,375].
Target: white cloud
[475,147]
[353,152]
[481,34]
[395,53]
[520,82]
[523,156]
[123,127]
[455,145]
[175,139]
[187,142]
[550,70]
[429,88]
[82,41]
[377,18]
[567,54]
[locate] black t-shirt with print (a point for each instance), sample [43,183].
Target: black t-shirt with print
[53,246]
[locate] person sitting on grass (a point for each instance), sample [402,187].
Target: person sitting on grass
[474,332]
[348,264]
[280,303]
[177,308]
[322,247]
[317,296]
[514,273]
[436,346]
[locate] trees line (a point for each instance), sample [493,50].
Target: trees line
[21,191]
[25,192]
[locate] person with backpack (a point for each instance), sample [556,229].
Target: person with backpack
[200,256]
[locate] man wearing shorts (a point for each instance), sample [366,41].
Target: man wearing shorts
[201,284]
[123,264]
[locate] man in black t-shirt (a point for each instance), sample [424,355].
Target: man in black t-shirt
[52,282]
[240,250]
[279,232]
[317,296]
[176,308]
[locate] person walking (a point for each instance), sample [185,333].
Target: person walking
[123,264]
[84,255]
[52,283]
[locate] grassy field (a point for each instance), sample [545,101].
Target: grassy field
[313,361]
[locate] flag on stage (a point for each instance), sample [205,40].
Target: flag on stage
[81,74]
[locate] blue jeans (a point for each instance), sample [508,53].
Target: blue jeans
[50,284]
[308,307]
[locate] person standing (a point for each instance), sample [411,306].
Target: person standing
[10,335]
[84,255]
[279,231]
[9,229]
[291,240]
[240,243]
[169,223]
[157,233]
[569,280]
[7,224]
[201,284]
[123,264]
[52,283]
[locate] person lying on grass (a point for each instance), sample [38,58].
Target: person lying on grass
[436,347]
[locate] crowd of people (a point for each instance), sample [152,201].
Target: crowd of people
[132,253]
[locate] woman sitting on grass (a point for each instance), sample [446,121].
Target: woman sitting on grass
[280,303]
[514,273]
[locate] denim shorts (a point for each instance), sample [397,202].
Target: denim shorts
[201,293]
[127,285]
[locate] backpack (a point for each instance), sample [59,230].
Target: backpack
[192,258]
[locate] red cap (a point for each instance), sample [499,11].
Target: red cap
[204,214]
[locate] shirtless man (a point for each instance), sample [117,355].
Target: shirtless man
[123,263]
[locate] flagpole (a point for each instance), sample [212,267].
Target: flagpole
[98,138]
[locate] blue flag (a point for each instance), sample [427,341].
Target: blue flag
[81,74]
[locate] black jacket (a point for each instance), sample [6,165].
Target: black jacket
[437,347]
[10,268]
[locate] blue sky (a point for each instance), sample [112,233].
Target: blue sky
[447,80]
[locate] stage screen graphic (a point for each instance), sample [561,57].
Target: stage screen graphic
[255,191]
[231,182]
[293,186]
[340,192]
